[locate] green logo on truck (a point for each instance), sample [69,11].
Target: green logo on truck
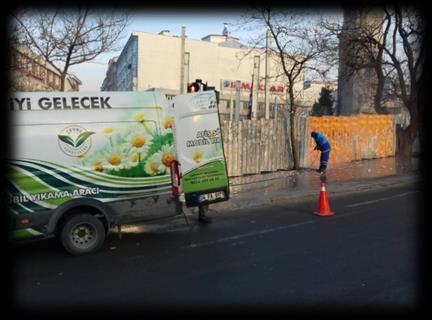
[75,141]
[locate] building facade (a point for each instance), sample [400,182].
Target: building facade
[109,82]
[357,85]
[30,72]
[154,61]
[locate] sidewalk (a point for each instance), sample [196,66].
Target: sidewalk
[285,187]
[289,186]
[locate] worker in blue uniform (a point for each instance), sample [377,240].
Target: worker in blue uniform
[323,145]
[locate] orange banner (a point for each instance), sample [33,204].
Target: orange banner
[352,138]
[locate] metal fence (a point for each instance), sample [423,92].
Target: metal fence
[256,146]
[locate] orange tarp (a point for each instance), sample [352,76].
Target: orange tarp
[352,138]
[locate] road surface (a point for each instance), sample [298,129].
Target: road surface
[269,258]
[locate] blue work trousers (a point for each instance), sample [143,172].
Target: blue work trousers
[325,154]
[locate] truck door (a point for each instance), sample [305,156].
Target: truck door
[199,147]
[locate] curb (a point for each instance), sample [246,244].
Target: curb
[243,200]
[249,199]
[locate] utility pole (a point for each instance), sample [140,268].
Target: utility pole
[231,102]
[267,68]
[183,84]
[186,71]
[237,101]
[255,85]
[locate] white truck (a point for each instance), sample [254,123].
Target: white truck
[82,163]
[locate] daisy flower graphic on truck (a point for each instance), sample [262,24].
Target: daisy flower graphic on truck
[72,147]
[84,162]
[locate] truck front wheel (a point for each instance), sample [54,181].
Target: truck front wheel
[82,234]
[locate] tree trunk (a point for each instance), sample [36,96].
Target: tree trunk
[405,141]
[62,81]
[293,142]
[292,113]
[379,92]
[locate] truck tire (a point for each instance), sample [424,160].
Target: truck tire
[82,234]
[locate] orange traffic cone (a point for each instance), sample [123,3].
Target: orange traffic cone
[323,203]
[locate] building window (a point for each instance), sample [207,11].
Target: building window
[34,69]
[28,65]
[49,77]
[223,105]
[14,60]
[23,63]
[56,82]
[20,61]
[42,72]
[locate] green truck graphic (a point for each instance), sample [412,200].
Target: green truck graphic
[101,164]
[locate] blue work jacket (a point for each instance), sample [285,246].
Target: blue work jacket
[321,142]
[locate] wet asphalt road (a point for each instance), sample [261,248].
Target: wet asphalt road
[365,256]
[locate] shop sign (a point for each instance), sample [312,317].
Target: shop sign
[247,86]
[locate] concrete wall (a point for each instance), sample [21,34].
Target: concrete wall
[127,66]
[356,87]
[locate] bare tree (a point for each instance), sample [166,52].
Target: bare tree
[300,43]
[395,49]
[68,37]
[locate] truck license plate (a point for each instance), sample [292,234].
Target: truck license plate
[211,196]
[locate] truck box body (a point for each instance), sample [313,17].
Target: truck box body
[108,151]
[198,142]
[70,146]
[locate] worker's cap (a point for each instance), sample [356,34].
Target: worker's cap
[313,134]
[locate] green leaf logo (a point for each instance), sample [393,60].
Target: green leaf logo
[82,137]
[66,139]
[79,140]
[74,140]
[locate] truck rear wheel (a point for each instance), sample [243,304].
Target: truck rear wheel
[82,234]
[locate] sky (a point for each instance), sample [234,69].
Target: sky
[198,25]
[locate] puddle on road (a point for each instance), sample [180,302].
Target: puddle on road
[374,168]
[306,178]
